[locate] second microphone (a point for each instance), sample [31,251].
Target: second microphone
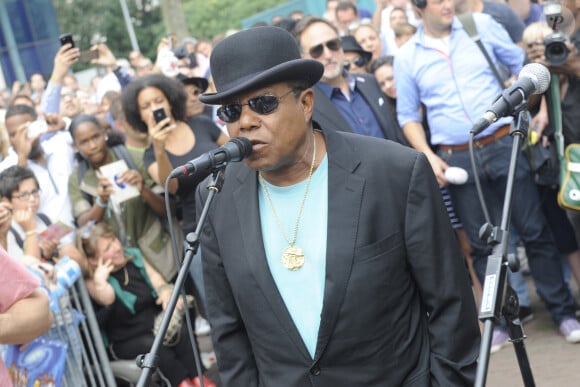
[236,149]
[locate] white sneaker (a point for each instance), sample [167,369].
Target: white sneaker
[202,327]
[570,329]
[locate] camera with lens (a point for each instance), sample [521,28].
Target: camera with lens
[556,51]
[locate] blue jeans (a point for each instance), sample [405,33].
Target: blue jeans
[492,163]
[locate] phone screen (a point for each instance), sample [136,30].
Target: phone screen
[66,38]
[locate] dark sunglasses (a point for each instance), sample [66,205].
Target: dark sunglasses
[332,45]
[359,61]
[264,104]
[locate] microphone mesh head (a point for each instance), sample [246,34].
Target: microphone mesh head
[244,145]
[538,74]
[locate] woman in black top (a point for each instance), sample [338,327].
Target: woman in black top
[131,294]
[174,141]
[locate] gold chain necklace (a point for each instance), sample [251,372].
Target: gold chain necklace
[292,256]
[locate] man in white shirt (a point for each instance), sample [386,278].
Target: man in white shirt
[50,156]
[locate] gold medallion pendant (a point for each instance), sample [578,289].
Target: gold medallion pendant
[293,258]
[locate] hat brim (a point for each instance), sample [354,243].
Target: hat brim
[202,83]
[298,69]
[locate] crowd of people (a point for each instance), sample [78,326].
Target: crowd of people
[354,217]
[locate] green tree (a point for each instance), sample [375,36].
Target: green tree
[208,18]
[87,19]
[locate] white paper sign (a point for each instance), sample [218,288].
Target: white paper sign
[123,190]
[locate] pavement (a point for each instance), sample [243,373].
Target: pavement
[553,361]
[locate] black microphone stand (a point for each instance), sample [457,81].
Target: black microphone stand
[498,298]
[148,362]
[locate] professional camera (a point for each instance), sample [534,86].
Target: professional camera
[556,51]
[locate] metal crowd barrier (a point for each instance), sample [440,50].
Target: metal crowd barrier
[87,363]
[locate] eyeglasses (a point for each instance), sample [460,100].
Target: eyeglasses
[27,195]
[264,104]
[332,45]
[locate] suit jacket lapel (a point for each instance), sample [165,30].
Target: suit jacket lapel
[327,114]
[378,104]
[345,195]
[246,203]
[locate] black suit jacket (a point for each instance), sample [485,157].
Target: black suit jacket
[330,117]
[398,309]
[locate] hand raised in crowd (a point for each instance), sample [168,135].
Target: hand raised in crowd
[102,271]
[22,143]
[104,188]
[159,131]
[25,219]
[105,56]
[382,4]
[132,177]
[65,57]
[5,217]
[536,52]
[55,122]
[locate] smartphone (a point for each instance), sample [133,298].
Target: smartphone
[159,115]
[88,55]
[66,38]
[36,128]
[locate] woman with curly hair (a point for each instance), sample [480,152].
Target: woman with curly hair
[174,141]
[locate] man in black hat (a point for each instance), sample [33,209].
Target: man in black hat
[194,87]
[355,58]
[345,101]
[328,257]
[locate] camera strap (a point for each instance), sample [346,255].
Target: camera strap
[468,23]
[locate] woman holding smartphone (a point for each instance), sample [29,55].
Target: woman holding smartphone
[174,141]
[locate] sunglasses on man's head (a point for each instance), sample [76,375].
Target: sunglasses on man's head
[332,45]
[264,104]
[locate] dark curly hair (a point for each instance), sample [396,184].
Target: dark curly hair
[172,89]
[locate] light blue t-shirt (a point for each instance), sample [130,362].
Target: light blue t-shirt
[302,290]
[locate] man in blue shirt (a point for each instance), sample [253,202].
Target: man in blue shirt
[344,102]
[444,69]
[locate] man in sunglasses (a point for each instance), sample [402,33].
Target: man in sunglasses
[193,87]
[346,102]
[356,59]
[328,257]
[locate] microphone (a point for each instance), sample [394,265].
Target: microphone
[236,149]
[533,79]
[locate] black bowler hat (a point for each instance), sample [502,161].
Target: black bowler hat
[201,83]
[255,58]
[349,44]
